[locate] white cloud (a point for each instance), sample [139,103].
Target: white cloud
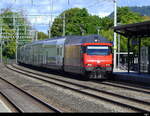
[78,5]
[103,14]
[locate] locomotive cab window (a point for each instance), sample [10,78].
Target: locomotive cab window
[98,50]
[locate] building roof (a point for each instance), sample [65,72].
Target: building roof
[136,30]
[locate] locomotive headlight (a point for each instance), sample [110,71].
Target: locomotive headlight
[108,64]
[89,64]
[96,40]
[98,61]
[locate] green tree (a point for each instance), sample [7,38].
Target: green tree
[10,26]
[126,16]
[75,22]
[79,22]
[42,36]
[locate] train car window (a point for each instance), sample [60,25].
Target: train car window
[57,51]
[47,61]
[60,51]
[98,50]
[83,49]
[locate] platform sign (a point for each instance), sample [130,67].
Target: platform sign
[134,42]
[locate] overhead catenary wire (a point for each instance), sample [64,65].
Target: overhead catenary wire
[47,24]
[98,2]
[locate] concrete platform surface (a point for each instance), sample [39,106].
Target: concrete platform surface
[132,76]
[3,107]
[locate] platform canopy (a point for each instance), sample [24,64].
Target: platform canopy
[131,31]
[136,30]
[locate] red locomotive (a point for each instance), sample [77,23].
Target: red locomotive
[90,56]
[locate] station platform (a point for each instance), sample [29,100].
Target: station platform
[132,77]
[4,108]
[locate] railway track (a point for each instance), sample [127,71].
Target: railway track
[131,87]
[10,107]
[122,85]
[116,84]
[23,101]
[122,101]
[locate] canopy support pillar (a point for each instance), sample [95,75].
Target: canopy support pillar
[139,57]
[128,55]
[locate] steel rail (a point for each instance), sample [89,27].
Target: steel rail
[111,83]
[30,95]
[11,102]
[86,87]
[108,83]
[103,83]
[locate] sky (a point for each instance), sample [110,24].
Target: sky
[41,13]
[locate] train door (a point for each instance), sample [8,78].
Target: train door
[59,58]
[60,52]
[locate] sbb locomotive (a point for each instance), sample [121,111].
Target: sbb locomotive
[90,56]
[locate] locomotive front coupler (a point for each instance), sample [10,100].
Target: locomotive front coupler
[98,73]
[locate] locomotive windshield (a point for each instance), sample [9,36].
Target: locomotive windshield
[98,50]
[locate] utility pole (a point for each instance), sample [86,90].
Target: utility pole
[118,51]
[17,36]
[115,24]
[50,22]
[118,48]
[64,24]
[82,30]
[32,35]
[36,35]
[25,30]
[1,40]
[14,26]
[98,30]
[64,21]
[49,31]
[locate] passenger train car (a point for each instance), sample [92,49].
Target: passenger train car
[90,56]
